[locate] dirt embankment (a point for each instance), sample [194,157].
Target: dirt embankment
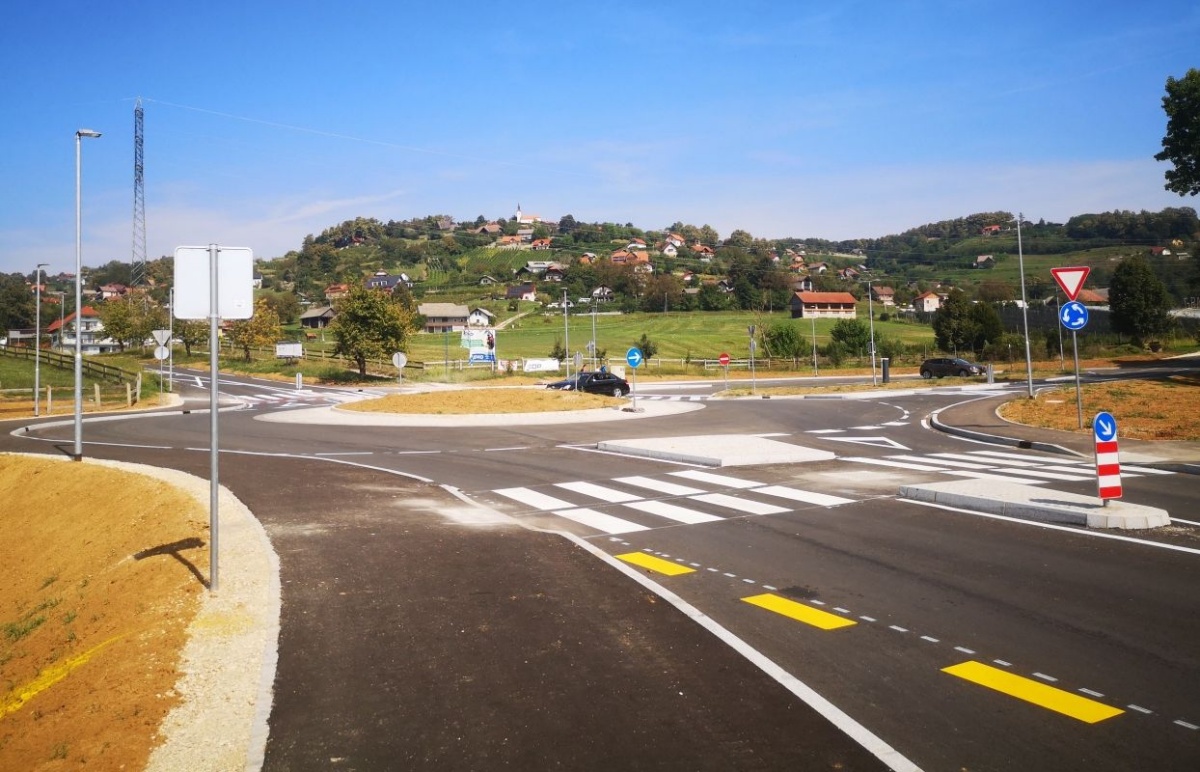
[102,576]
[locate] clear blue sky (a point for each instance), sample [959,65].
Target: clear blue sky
[265,122]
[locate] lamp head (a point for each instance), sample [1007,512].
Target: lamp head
[86,133]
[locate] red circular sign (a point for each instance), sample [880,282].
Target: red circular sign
[724,360]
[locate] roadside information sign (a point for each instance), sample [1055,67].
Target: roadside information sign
[1108,463]
[1071,279]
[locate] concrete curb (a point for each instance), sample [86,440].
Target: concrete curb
[1025,502]
[996,439]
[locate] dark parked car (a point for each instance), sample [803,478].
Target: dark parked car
[593,383]
[948,366]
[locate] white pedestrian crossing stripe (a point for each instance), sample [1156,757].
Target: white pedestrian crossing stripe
[627,501]
[1025,469]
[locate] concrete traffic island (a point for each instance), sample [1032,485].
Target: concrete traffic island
[1032,503]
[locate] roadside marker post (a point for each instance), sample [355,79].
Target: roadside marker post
[1108,460]
[724,361]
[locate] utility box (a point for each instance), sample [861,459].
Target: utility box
[887,369]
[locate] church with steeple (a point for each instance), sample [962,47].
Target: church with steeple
[526,219]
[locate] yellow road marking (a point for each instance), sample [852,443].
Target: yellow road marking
[47,678]
[1035,692]
[655,564]
[799,611]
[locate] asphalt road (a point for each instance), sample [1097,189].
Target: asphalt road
[1108,622]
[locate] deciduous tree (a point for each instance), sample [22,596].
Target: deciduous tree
[1138,300]
[1181,145]
[368,326]
[261,329]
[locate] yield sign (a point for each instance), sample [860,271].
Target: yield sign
[1071,279]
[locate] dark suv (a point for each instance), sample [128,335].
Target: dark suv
[947,366]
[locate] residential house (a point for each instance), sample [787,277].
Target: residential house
[486,280]
[526,234]
[317,317]
[490,229]
[927,302]
[92,339]
[818,268]
[446,225]
[114,290]
[628,257]
[824,305]
[540,244]
[602,294]
[509,242]
[382,280]
[803,284]
[990,230]
[335,291]
[985,261]
[443,317]
[257,280]
[554,272]
[480,317]
[1090,297]
[884,295]
[848,274]
[523,291]
[675,240]
[704,252]
[668,249]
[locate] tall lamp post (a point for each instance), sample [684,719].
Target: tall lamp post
[871,315]
[1024,306]
[79,135]
[37,342]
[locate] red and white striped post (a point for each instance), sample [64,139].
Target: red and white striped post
[1108,462]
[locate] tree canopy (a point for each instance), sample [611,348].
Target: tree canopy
[1138,300]
[369,325]
[1181,145]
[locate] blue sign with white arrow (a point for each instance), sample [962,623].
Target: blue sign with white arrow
[1073,315]
[634,357]
[1105,427]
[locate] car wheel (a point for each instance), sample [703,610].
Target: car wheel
[618,391]
[926,374]
[963,373]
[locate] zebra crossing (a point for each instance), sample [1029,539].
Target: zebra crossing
[1021,468]
[301,398]
[685,497]
[696,496]
[674,397]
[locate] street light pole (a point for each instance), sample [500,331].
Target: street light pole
[37,341]
[79,135]
[1024,306]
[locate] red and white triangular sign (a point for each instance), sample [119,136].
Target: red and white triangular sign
[1071,279]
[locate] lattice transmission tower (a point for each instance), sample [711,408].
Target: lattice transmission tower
[139,202]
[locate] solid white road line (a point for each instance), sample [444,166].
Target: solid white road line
[740,505]
[659,486]
[534,499]
[672,512]
[598,491]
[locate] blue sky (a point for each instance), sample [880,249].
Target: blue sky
[265,122]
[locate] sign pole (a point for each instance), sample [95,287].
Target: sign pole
[1078,387]
[213,430]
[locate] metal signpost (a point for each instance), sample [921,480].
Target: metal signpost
[1108,462]
[161,352]
[724,360]
[633,358]
[204,292]
[400,359]
[1074,316]
[753,384]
